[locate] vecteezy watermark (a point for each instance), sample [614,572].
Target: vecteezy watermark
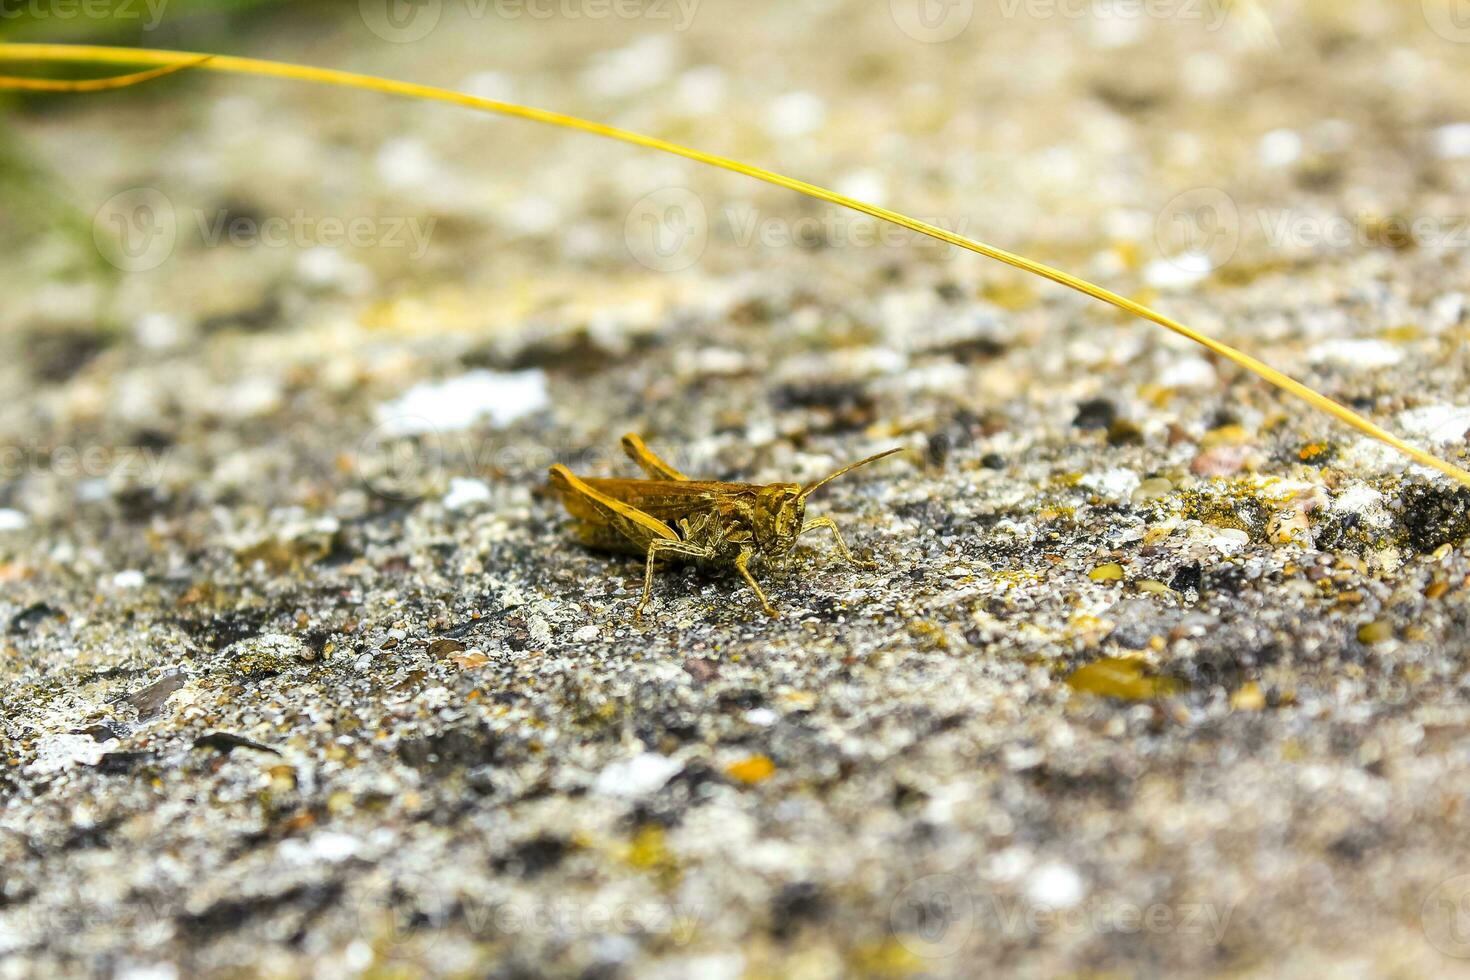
[138,230]
[1211,13]
[303,231]
[411,911]
[137,464]
[406,21]
[1450,19]
[935,916]
[90,925]
[1285,228]
[833,227]
[1201,229]
[936,21]
[1445,916]
[150,12]
[669,230]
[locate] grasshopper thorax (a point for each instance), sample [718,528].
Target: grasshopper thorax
[779,511]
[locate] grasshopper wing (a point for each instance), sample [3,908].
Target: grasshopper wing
[670,500]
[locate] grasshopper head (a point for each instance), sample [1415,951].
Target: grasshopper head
[779,512]
[781,508]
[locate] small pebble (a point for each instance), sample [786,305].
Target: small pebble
[1378,631]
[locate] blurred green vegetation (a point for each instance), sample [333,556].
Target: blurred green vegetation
[34,200]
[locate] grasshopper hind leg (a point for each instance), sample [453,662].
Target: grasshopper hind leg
[648,460]
[657,549]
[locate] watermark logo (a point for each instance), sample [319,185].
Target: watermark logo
[136,229]
[1450,19]
[933,916]
[401,21]
[400,911]
[1445,916]
[667,231]
[400,457]
[1200,227]
[932,21]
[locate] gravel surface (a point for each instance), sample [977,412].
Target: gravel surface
[1160,673]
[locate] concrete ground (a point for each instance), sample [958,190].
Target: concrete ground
[1160,673]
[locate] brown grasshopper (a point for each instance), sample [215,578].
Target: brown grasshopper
[669,515]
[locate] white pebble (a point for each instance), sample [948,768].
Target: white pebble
[326,845]
[158,331]
[586,634]
[493,85]
[865,185]
[405,163]
[1116,484]
[1364,502]
[1229,540]
[701,90]
[1179,271]
[1362,354]
[1437,423]
[55,753]
[12,520]
[1189,372]
[636,68]
[1452,142]
[1280,148]
[152,971]
[465,493]
[128,579]
[794,115]
[641,774]
[458,403]
[1055,886]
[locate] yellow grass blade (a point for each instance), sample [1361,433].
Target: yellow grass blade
[91,54]
[96,84]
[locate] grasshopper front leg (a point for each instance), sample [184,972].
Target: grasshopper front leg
[742,562]
[657,548]
[831,525]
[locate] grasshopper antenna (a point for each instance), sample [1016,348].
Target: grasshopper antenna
[806,490]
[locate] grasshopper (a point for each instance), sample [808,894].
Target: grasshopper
[669,515]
